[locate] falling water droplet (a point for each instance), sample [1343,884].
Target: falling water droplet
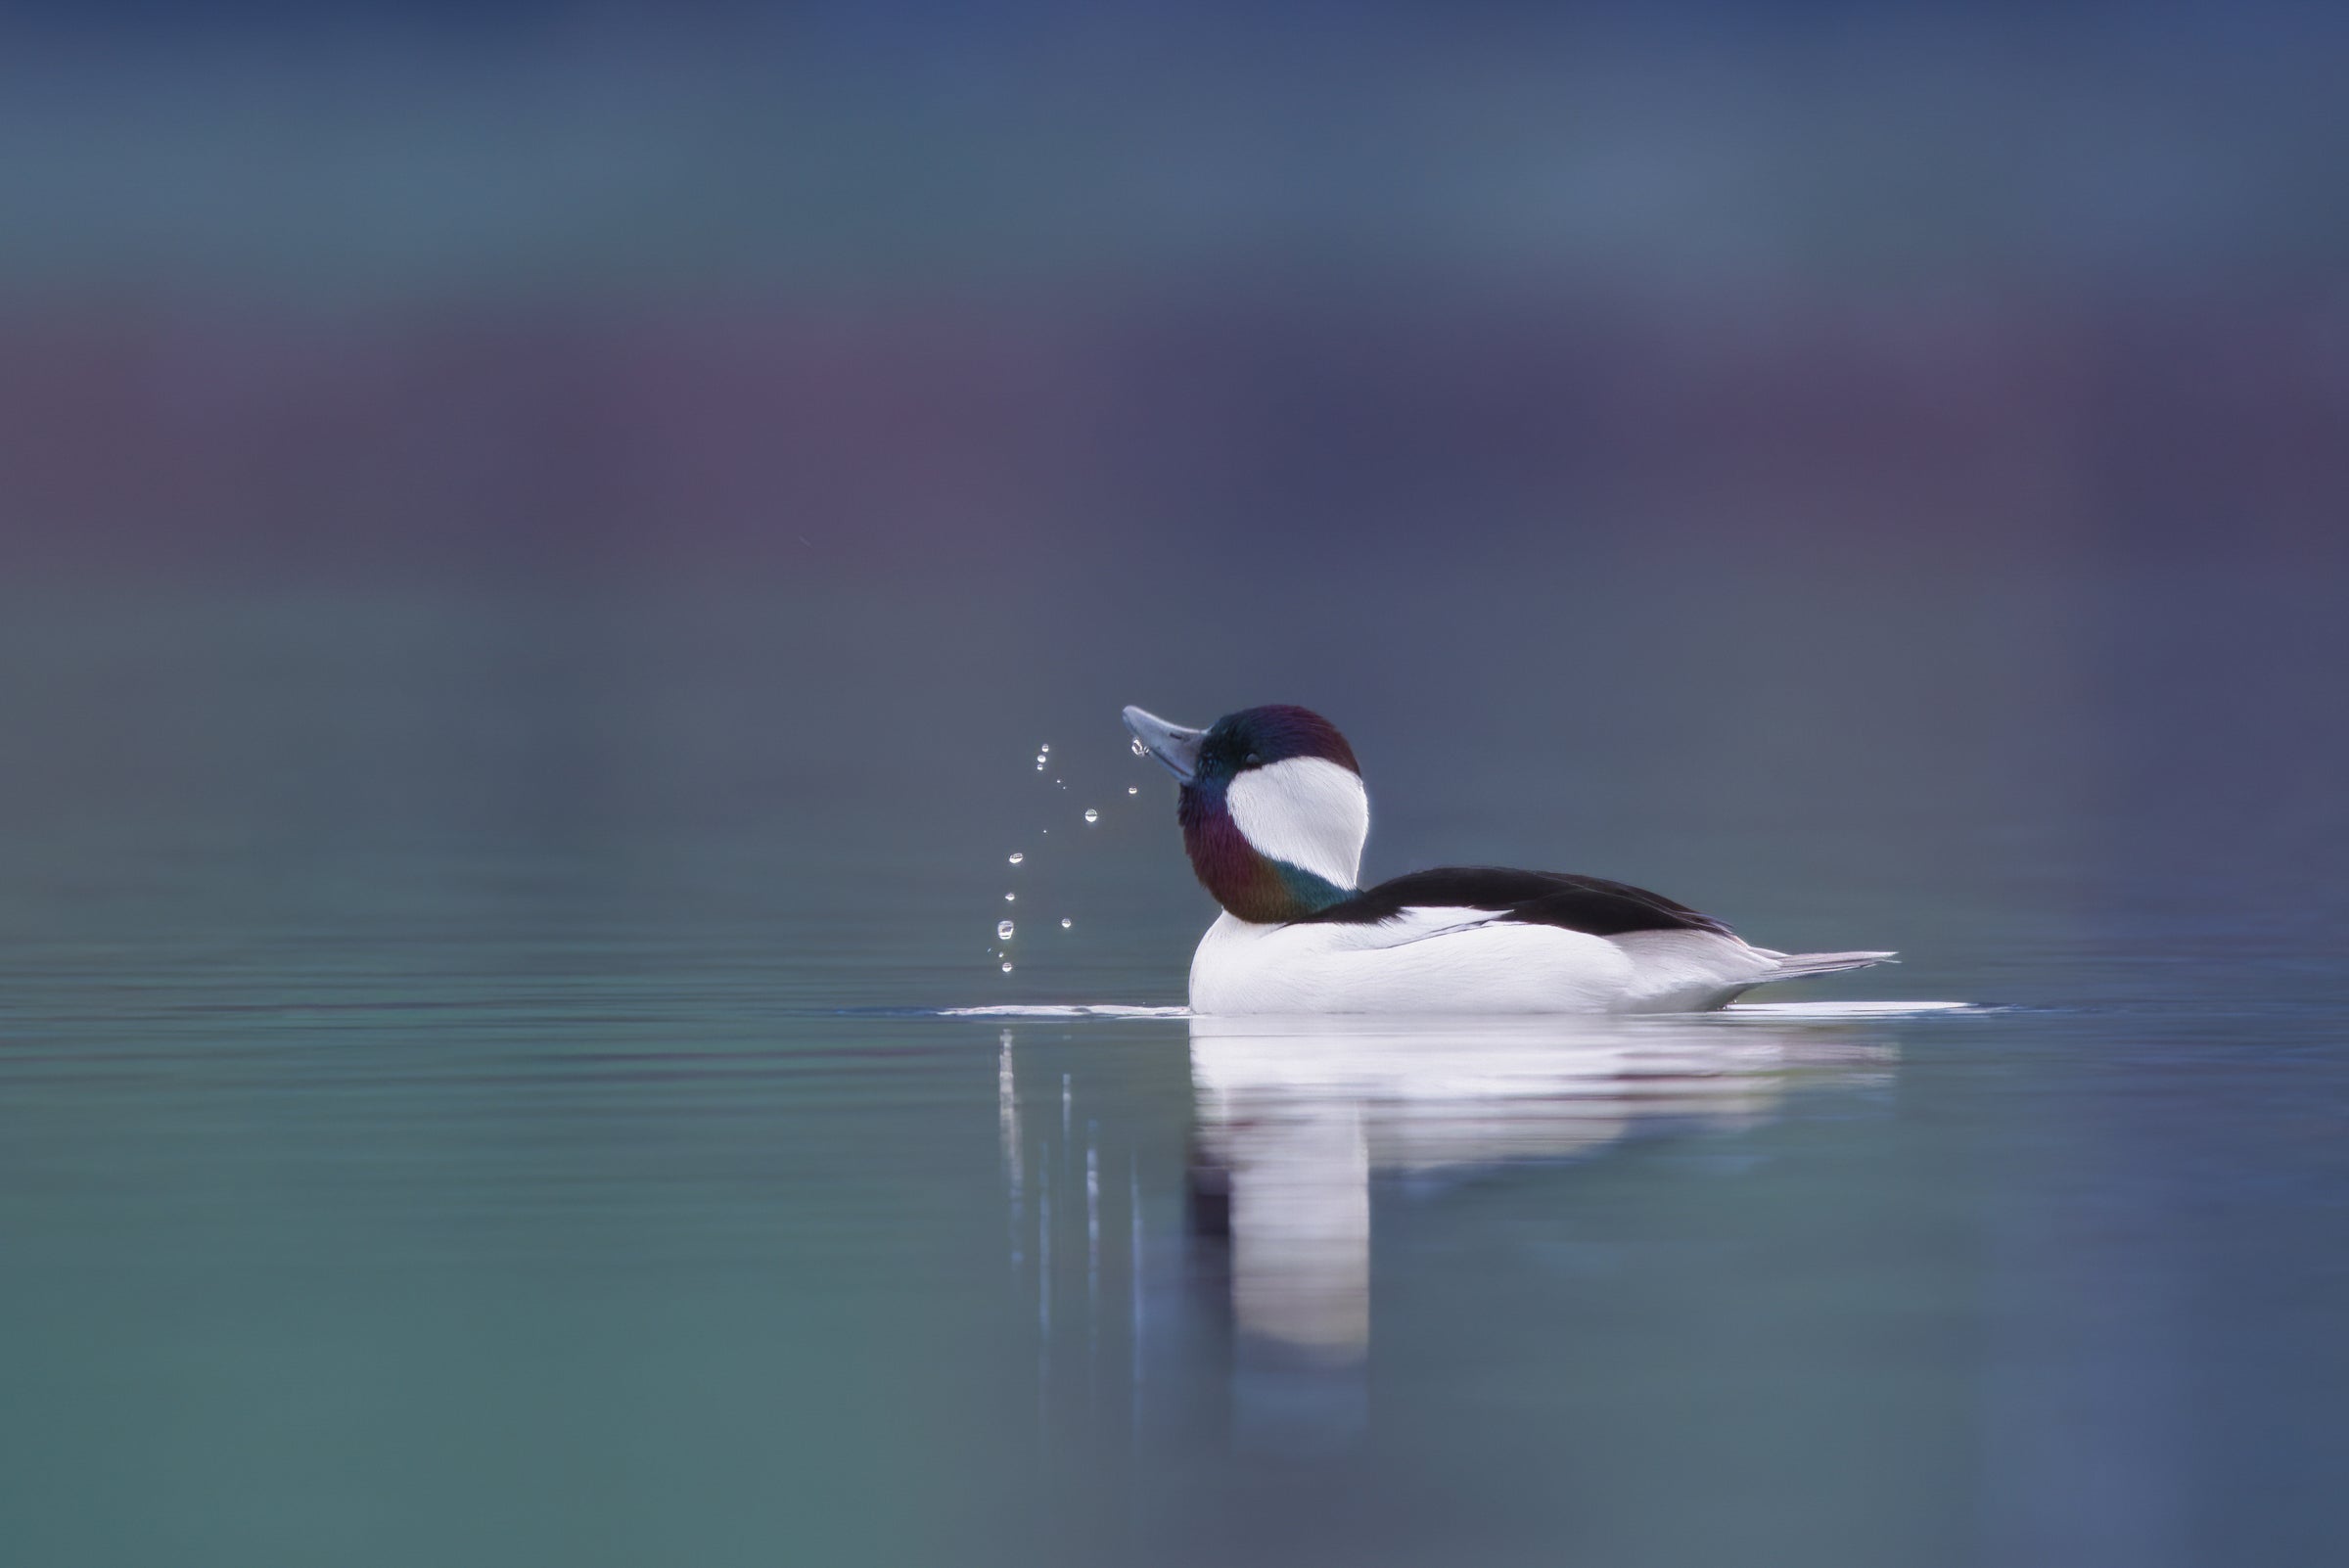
[1066,922]
[1004,929]
[1133,789]
[1140,749]
[1007,966]
[1011,897]
[1091,816]
[1045,747]
[1017,858]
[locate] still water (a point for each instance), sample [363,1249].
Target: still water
[482,1079]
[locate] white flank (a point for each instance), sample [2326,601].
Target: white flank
[1467,961]
[1424,961]
[1310,813]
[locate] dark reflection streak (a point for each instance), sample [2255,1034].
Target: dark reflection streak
[1207,1195]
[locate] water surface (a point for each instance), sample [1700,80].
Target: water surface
[475,1086]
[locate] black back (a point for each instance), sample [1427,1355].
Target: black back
[1592,904]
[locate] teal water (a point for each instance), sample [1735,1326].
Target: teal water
[474,1088]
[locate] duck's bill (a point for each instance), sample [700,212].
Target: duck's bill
[1172,745]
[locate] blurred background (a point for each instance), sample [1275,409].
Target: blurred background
[925,372]
[538,542]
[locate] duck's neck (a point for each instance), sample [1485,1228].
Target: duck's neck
[1252,884]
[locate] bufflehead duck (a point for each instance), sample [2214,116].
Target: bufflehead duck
[1275,815]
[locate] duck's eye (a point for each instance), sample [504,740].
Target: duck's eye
[1253,758]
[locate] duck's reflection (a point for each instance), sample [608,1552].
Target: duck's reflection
[1259,1311]
[1295,1115]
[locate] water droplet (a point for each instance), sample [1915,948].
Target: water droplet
[1007,966]
[1011,897]
[1004,930]
[1133,789]
[1091,816]
[1066,922]
[1140,749]
[1017,858]
[1045,747]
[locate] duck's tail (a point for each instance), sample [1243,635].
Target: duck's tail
[1797,965]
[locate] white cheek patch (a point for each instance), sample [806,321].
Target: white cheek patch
[1310,813]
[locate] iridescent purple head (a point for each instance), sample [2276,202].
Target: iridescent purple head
[1272,810]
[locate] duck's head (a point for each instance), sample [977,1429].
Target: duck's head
[1274,811]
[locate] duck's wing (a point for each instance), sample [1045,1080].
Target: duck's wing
[1592,904]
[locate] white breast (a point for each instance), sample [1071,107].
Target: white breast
[1442,960]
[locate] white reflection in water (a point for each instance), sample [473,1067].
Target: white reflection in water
[1295,1115]
[1292,1121]
[1007,1111]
